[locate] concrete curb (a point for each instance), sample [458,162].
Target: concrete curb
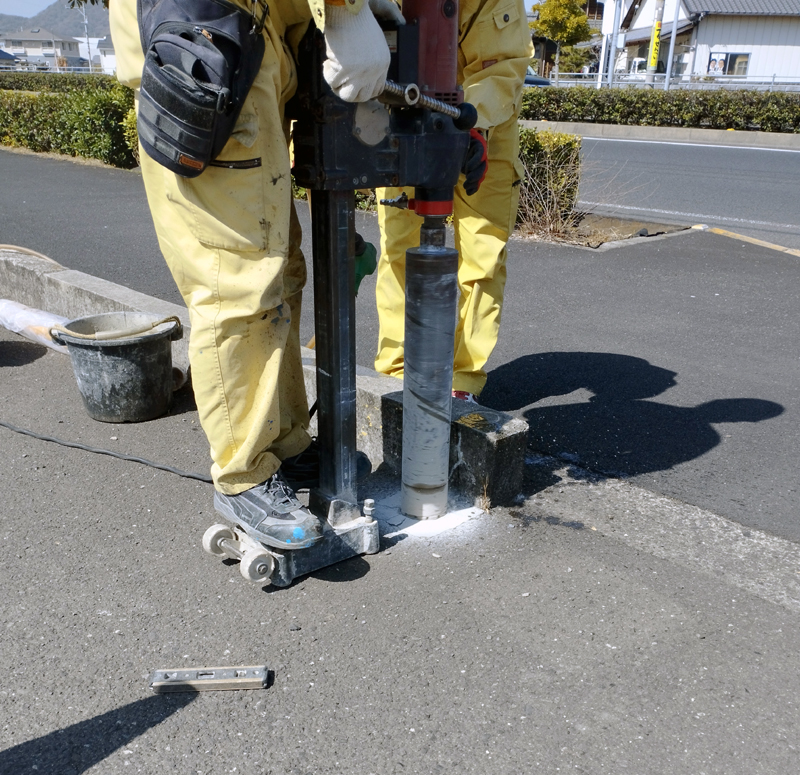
[44,284]
[731,138]
[487,447]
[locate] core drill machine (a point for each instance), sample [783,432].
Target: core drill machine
[415,134]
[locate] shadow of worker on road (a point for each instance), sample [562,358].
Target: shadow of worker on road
[615,430]
[79,747]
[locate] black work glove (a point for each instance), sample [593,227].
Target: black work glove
[476,163]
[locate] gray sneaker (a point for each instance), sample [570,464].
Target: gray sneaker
[271,514]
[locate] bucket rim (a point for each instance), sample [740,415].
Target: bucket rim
[164,327]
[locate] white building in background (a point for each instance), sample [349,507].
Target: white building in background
[90,52]
[108,58]
[762,42]
[40,48]
[756,39]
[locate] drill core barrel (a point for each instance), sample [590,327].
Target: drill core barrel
[430,324]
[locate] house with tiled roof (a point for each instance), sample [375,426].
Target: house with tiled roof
[41,48]
[744,40]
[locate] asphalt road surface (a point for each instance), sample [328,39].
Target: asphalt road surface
[595,627]
[673,362]
[749,191]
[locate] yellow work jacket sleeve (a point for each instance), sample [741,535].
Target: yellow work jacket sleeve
[318,9]
[494,52]
[128,47]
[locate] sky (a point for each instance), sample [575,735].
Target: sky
[24,7]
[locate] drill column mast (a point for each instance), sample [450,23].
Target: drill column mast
[415,136]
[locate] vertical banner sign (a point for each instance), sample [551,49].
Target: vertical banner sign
[655,43]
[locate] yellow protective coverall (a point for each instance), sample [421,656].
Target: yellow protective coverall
[494,52]
[232,242]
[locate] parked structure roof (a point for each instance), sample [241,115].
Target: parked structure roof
[105,44]
[643,33]
[37,33]
[744,7]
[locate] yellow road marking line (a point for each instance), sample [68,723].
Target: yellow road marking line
[753,241]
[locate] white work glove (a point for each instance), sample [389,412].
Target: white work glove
[357,55]
[387,10]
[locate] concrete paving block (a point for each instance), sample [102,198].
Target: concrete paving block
[487,454]
[487,450]
[487,447]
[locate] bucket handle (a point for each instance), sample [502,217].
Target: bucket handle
[175,334]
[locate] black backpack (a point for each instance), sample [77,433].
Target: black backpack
[201,58]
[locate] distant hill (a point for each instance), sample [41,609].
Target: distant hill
[60,19]
[8,22]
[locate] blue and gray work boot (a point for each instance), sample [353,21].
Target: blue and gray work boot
[270,513]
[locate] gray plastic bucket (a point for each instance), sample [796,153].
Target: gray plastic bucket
[126,378]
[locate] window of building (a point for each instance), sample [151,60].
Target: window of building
[16,44]
[738,64]
[723,63]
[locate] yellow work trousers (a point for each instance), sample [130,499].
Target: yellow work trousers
[232,242]
[483,224]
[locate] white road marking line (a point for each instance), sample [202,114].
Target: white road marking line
[693,145]
[762,564]
[695,217]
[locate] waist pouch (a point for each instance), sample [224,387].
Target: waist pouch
[201,58]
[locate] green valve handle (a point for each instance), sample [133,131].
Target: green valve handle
[366,259]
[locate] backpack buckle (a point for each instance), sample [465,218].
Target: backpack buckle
[260,13]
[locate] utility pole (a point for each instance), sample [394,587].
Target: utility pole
[601,65]
[86,33]
[672,44]
[655,43]
[612,45]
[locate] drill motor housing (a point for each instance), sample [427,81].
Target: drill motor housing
[341,146]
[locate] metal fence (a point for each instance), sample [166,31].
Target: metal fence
[34,68]
[636,80]
[698,82]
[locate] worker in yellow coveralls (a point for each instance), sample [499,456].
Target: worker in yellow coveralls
[232,242]
[494,52]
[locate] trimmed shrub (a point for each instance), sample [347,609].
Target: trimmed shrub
[87,122]
[717,109]
[549,191]
[131,133]
[54,82]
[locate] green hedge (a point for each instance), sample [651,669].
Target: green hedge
[54,82]
[86,122]
[712,109]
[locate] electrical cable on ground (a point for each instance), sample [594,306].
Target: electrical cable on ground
[97,451]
